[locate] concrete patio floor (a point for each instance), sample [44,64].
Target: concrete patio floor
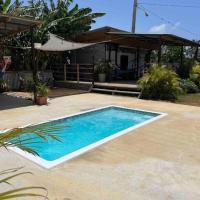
[159,161]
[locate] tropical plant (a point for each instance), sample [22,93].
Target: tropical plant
[42,90]
[102,67]
[4,5]
[62,18]
[23,139]
[188,86]
[3,86]
[195,74]
[66,19]
[159,83]
[184,70]
[171,54]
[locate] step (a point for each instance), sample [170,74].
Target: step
[116,91]
[133,88]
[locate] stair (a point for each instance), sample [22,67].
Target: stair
[117,89]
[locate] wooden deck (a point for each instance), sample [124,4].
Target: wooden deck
[131,85]
[118,85]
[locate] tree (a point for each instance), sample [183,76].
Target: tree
[62,18]
[4,5]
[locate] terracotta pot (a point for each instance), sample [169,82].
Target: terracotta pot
[41,100]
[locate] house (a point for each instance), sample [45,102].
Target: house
[130,53]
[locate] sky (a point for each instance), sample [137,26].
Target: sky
[182,21]
[164,16]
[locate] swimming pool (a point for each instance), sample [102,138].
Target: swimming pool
[84,131]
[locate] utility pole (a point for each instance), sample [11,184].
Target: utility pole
[134,15]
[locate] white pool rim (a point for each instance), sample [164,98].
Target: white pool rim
[50,164]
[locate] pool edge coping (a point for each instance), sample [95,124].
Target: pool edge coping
[51,164]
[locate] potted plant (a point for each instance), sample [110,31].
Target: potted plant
[3,86]
[42,94]
[103,68]
[100,69]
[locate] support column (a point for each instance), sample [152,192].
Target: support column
[196,53]
[159,55]
[116,55]
[109,52]
[138,63]
[34,67]
[181,60]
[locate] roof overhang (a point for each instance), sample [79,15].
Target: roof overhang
[151,40]
[11,25]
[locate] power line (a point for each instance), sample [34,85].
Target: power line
[169,5]
[166,20]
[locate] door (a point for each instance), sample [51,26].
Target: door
[124,62]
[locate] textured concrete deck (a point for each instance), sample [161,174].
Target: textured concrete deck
[158,161]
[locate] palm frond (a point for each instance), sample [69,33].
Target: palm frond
[20,192]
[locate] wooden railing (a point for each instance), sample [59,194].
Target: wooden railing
[79,72]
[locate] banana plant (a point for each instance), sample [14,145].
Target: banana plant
[4,5]
[63,18]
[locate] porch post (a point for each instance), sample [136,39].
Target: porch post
[33,65]
[109,52]
[65,72]
[93,70]
[148,58]
[116,55]
[181,60]
[138,62]
[159,55]
[196,53]
[105,51]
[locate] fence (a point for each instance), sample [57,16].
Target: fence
[75,72]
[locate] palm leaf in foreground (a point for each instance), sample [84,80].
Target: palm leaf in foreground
[21,138]
[19,192]
[24,137]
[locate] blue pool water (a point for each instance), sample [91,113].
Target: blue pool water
[79,131]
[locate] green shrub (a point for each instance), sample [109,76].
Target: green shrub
[3,86]
[42,90]
[102,67]
[188,86]
[195,74]
[184,70]
[159,83]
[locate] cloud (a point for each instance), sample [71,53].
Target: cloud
[162,28]
[176,25]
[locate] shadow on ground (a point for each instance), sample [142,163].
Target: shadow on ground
[10,102]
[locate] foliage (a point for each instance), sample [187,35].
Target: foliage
[23,138]
[67,20]
[188,86]
[4,5]
[195,74]
[8,176]
[185,69]
[63,18]
[103,67]
[171,54]
[159,83]
[3,86]
[42,90]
